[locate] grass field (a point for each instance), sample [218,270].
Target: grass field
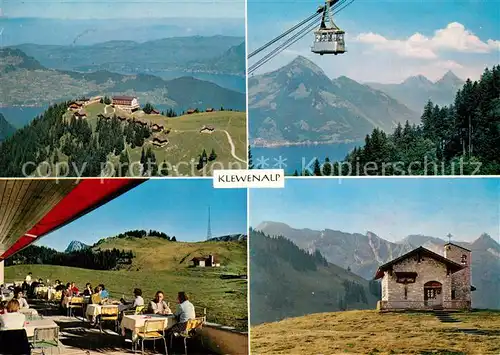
[164,265]
[371,332]
[159,254]
[186,142]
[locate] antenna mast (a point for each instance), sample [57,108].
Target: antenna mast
[209,228]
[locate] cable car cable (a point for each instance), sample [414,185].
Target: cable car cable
[257,51]
[282,47]
[333,3]
[291,41]
[284,44]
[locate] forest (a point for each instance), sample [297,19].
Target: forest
[141,233]
[85,258]
[272,254]
[460,139]
[50,137]
[286,250]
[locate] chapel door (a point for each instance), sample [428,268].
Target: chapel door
[433,295]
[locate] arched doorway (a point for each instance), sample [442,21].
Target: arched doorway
[433,294]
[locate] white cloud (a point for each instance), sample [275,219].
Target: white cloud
[455,37]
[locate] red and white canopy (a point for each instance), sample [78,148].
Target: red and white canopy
[32,208]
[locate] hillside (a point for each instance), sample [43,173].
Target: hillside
[30,83]
[298,103]
[287,282]
[415,91]
[108,135]
[152,253]
[232,61]
[371,332]
[6,129]
[363,253]
[462,138]
[176,53]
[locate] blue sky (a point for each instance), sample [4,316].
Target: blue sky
[174,206]
[132,9]
[60,22]
[391,208]
[378,33]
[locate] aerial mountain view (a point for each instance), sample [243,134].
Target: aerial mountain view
[145,105]
[370,254]
[113,235]
[395,100]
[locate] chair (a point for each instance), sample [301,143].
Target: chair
[46,338]
[153,330]
[134,312]
[189,332]
[75,303]
[14,342]
[109,314]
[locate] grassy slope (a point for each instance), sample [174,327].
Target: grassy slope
[297,293]
[185,133]
[186,142]
[159,268]
[371,332]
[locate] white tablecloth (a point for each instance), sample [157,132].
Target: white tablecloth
[136,322]
[94,310]
[41,323]
[28,311]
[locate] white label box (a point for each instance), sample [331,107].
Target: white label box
[253,178]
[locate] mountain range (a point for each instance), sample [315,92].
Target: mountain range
[287,281]
[215,54]
[27,82]
[75,245]
[363,253]
[299,104]
[6,129]
[416,91]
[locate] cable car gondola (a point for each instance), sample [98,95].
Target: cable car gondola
[328,38]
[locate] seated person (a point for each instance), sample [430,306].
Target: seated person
[185,311]
[158,305]
[22,301]
[104,292]
[88,290]
[59,286]
[96,298]
[74,289]
[137,302]
[12,319]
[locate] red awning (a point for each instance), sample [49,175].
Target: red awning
[86,196]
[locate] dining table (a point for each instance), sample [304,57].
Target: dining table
[44,323]
[135,323]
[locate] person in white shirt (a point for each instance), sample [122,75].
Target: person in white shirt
[22,301]
[158,305]
[138,301]
[12,319]
[28,278]
[184,312]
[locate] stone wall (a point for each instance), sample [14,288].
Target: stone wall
[460,280]
[427,270]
